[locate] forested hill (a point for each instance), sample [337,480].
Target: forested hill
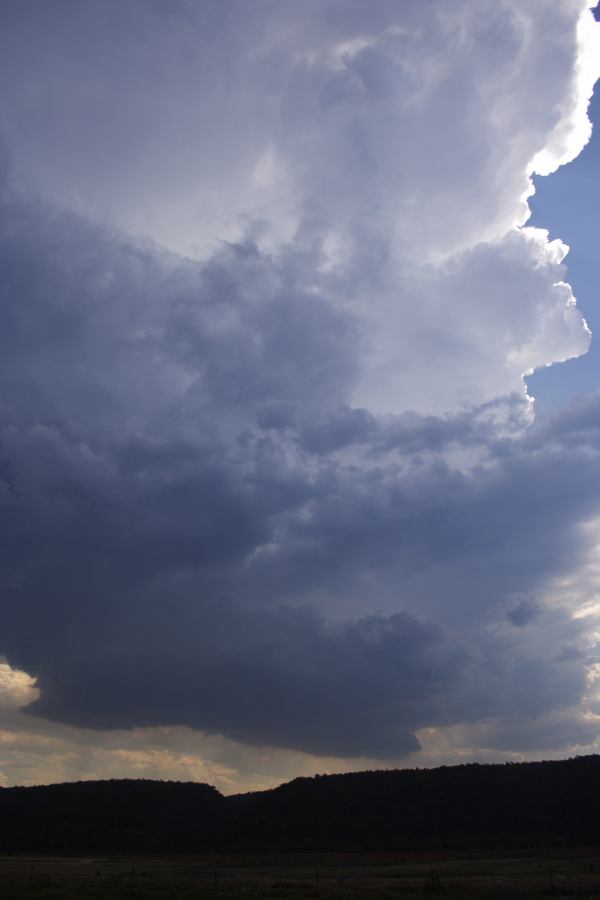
[470,806]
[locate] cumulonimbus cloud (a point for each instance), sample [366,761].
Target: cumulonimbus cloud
[280,488]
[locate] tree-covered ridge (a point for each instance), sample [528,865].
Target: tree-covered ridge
[467,806]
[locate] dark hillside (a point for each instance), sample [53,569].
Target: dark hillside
[456,807]
[470,806]
[100,816]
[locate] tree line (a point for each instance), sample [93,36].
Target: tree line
[515,805]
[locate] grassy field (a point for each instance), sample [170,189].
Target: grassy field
[292,877]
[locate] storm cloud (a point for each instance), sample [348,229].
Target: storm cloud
[268,465]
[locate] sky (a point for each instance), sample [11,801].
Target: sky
[567,205]
[299,419]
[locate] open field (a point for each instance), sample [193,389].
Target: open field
[560,874]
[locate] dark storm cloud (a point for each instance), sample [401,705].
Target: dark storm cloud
[410,432]
[283,491]
[160,516]
[283,677]
[523,611]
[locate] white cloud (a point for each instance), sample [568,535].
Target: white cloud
[573,130]
[395,137]
[16,688]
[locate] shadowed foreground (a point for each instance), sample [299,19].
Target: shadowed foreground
[328,876]
[525,830]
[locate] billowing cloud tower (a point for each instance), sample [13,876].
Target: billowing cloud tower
[267,462]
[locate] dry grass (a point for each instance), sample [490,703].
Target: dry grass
[330,876]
